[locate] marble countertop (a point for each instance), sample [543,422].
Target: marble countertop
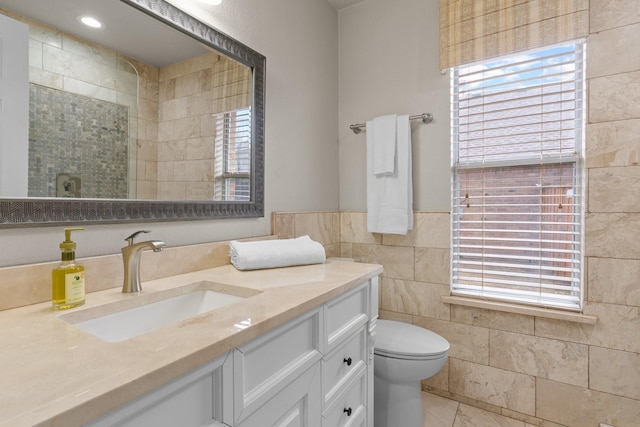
[52,373]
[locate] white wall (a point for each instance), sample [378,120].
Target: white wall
[389,64]
[14,107]
[300,41]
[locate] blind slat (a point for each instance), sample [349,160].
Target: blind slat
[515,257]
[482,273]
[520,288]
[509,265]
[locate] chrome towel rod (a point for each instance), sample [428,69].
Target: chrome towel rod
[425,117]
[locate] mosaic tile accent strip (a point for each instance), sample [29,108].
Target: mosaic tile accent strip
[77,135]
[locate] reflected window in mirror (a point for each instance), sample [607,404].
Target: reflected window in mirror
[233,155]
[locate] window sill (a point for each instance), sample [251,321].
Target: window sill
[548,313]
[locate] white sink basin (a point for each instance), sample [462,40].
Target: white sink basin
[119,321]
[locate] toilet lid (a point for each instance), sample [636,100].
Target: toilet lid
[402,340]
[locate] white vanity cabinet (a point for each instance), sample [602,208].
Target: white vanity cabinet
[313,371]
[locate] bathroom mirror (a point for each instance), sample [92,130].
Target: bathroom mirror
[195,151]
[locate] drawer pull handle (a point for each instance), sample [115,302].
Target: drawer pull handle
[347,361]
[348,411]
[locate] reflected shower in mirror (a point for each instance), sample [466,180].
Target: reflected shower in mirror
[124,127]
[153,106]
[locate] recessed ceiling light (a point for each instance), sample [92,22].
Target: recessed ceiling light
[90,21]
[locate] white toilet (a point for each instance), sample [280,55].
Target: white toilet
[404,355]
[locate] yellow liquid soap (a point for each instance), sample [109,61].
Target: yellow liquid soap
[67,286]
[67,280]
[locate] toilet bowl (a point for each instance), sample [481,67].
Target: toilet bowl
[404,355]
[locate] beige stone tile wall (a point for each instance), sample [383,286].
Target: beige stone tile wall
[185,134]
[62,61]
[538,371]
[612,232]
[189,93]
[146,166]
[323,227]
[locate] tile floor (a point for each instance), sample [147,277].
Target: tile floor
[441,412]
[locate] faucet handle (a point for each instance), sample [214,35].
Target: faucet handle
[133,236]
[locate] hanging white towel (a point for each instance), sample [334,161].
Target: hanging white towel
[381,136]
[390,196]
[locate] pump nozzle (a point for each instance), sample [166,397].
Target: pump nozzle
[68,243]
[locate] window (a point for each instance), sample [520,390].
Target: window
[233,156]
[517,178]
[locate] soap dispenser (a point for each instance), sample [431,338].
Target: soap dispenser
[68,278]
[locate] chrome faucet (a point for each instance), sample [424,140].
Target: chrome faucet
[131,259]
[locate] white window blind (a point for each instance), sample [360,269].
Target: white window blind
[517,181]
[233,156]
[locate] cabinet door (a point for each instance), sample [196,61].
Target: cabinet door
[195,399]
[297,405]
[267,364]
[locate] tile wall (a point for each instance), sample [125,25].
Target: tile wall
[145,163]
[540,371]
[190,92]
[77,135]
[186,132]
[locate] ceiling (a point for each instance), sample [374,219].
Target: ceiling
[341,4]
[126,30]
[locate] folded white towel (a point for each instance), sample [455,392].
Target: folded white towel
[390,197]
[276,253]
[381,137]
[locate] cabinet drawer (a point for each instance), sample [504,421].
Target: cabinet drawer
[349,408]
[343,363]
[344,315]
[267,364]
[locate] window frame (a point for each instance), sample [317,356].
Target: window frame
[223,176]
[577,159]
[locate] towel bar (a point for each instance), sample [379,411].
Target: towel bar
[425,117]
